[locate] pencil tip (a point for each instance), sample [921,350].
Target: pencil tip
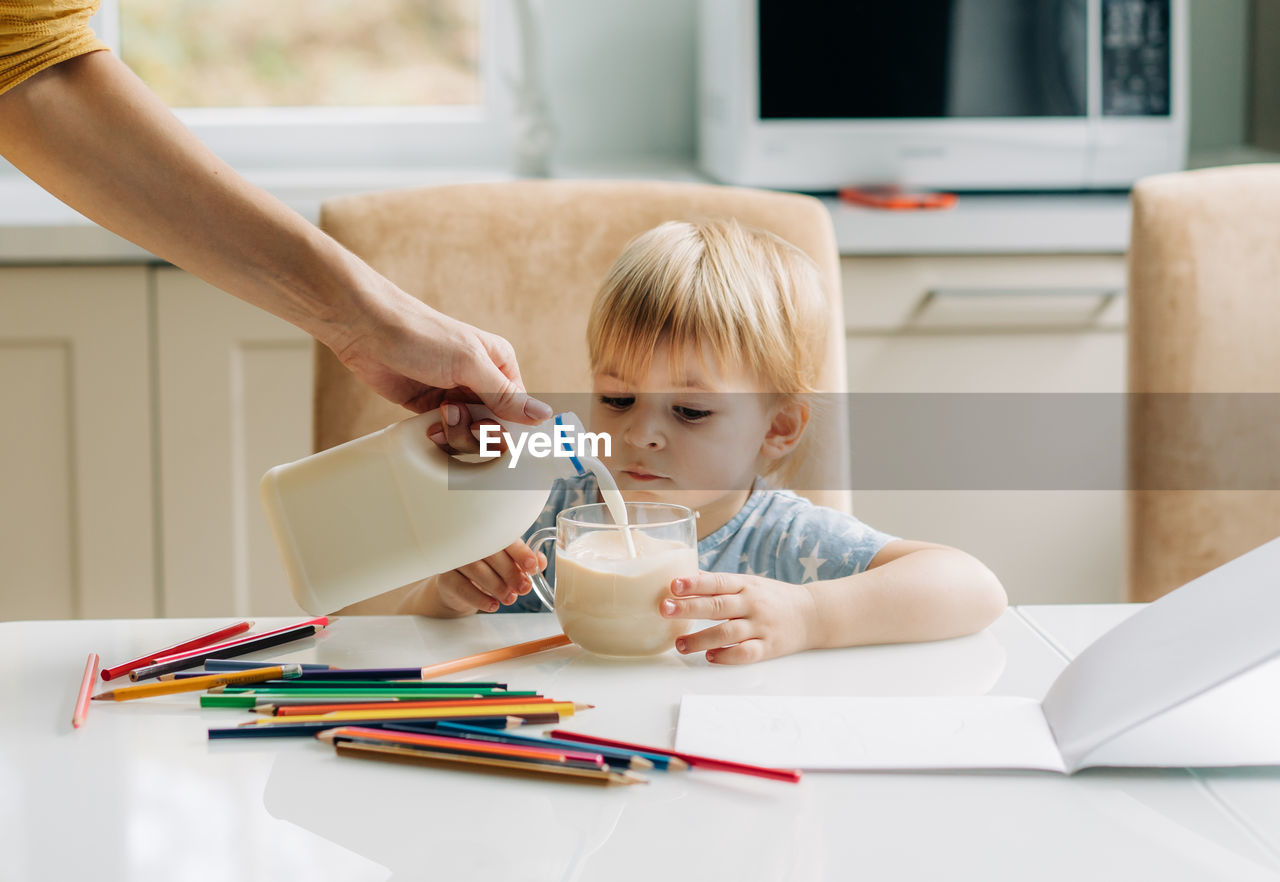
[639,762]
[101,696]
[675,764]
[325,735]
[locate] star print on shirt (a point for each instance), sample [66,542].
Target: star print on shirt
[811,565]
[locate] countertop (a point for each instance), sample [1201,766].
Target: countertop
[36,228]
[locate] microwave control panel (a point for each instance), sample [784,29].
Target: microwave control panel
[1135,58]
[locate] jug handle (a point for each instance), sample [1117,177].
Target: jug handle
[541,587]
[418,444]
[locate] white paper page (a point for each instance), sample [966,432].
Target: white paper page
[865,733]
[1202,634]
[1236,724]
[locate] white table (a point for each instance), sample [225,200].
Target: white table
[139,793]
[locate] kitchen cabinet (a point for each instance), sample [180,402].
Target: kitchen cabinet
[233,400]
[1027,324]
[77,527]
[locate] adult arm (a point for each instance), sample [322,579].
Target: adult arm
[92,134]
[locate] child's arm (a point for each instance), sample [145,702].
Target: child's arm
[912,591]
[482,585]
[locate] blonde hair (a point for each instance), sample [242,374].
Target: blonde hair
[752,300]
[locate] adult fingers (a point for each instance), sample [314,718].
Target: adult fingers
[492,372]
[723,634]
[457,429]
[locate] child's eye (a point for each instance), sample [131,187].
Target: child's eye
[690,414]
[617,402]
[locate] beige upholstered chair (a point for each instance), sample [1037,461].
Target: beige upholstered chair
[524,259]
[1204,290]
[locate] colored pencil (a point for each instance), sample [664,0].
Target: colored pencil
[564,708]
[619,758]
[441,759]
[194,643]
[86,690]
[441,741]
[239,664]
[316,695]
[385,674]
[318,621]
[792,775]
[329,672]
[249,702]
[386,685]
[147,690]
[493,655]
[293,730]
[300,710]
[241,647]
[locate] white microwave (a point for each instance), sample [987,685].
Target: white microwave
[942,94]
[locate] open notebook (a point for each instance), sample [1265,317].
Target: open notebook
[1193,679]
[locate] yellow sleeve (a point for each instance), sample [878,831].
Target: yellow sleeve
[36,34]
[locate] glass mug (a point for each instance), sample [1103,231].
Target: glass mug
[606,600]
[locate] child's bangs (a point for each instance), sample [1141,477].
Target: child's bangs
[631,330]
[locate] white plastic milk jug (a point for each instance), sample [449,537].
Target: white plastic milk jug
[391,507]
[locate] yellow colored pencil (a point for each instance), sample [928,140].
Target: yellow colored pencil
[194,684]
[564,708]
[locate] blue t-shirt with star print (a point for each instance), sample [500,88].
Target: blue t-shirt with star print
[776,534]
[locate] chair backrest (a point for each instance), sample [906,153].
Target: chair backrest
[1204,317]
[524,259]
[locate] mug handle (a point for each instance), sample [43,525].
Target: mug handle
[540,585]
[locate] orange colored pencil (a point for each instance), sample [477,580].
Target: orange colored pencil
[296,709]
[494,655]
[86,689]
[564,708]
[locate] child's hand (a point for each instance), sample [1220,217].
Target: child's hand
[482,585]
[764,618]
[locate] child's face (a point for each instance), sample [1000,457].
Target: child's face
[696,437]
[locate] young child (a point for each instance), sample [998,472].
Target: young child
[705,341]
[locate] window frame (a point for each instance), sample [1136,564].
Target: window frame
[294,138]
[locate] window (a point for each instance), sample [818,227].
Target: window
[326,83]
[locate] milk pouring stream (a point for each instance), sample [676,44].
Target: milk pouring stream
[391,508]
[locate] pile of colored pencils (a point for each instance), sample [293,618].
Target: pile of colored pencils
[400,715]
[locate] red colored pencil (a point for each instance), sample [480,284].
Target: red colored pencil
[86,690]
[193,643]
[792,775]
[294,710]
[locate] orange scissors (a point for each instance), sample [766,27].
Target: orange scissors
[896,199]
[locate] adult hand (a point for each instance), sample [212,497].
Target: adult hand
[763,618]
[423,357]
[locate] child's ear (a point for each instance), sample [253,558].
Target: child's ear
[785,429]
